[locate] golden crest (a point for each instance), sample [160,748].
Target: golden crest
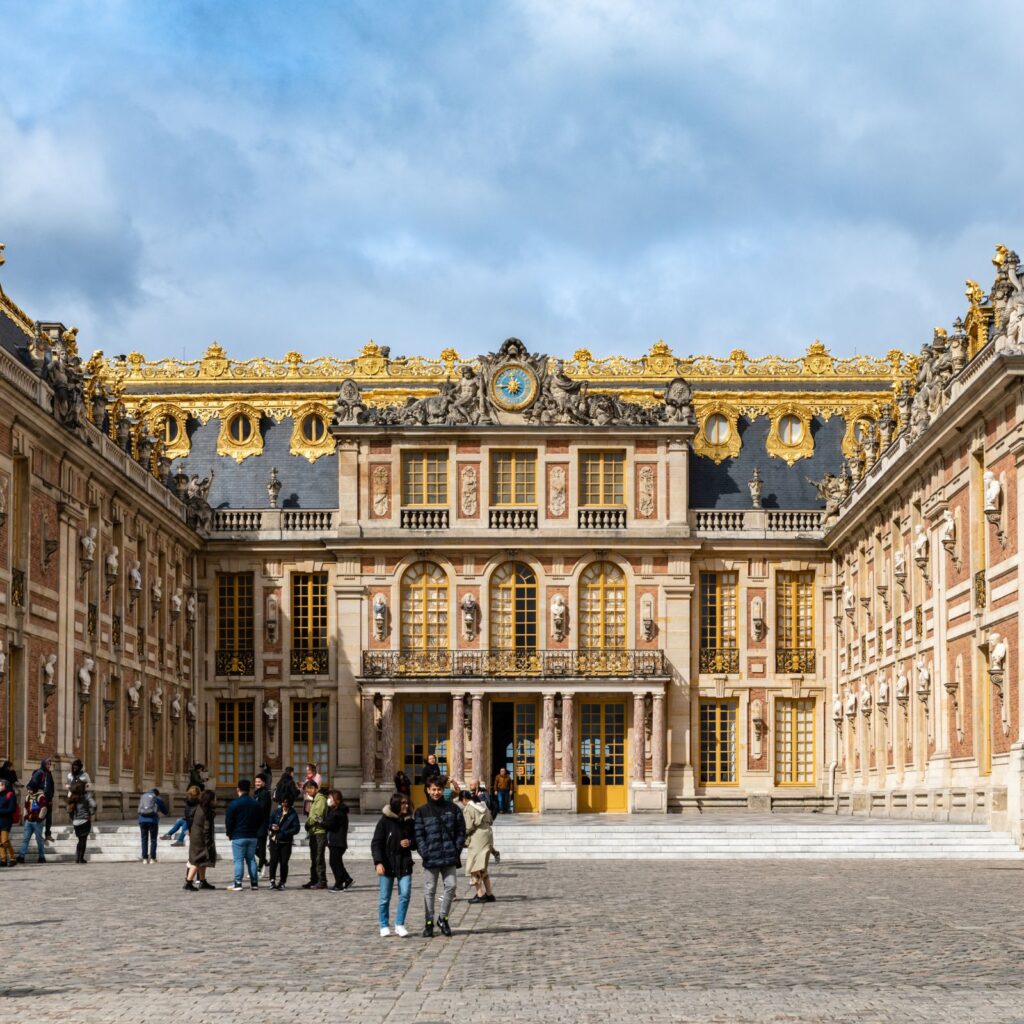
[818,360]
[214,362]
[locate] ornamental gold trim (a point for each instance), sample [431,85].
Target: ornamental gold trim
[730,447]
[240,450]
[803,448]
[300,444]
[154,417]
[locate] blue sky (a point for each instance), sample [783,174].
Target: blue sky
[310,175]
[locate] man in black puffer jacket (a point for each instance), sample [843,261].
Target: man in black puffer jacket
[440,836]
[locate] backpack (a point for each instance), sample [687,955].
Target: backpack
[147,804]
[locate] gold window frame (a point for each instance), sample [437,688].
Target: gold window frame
[240,450]
[420,582]
[423,455]
[604,459]
[608,592]
[299,444]
[516,457]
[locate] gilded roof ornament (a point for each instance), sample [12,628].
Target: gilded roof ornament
[974,293]
[1000,257]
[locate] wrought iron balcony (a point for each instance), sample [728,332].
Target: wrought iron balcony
[309,662]
[795,659]
[542,664]
[719,659]
[235,663]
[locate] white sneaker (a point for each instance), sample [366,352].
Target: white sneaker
[145,860]
[385,932]
[401,931]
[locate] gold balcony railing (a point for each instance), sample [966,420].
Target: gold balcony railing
[440,664]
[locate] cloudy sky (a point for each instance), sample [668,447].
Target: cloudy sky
[601,174]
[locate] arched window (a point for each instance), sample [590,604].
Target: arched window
[602,608]
[514,608]
[424,608]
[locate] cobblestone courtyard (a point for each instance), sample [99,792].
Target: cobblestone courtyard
[567,941]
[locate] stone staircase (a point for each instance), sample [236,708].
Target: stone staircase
[724,837]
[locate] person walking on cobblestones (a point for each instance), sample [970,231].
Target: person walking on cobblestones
[286,789]
[284,827]
[8,805]
[151,806]
[33,822]
[394,840]
[440,835]
[202,849]
[317,833]
[479,843]
[242,823]
[42,780]
[82,808]
[262,797]
[336,824]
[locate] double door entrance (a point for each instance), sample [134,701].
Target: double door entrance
[602,757]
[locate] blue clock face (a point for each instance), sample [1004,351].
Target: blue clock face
[514,388]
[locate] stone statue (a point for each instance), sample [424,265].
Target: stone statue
[49,670]
[920,543]
[756,487]
[3,498]
[349,407]
[903,404]
[176,707]
[837,709]
[1013,310]
[645,491]
[902,686]
[157,591]
[558,611]
[271,709]
[113,565]
[997,651]
[156,702]
[886,426]
[381,491]
[866,700]
[993,491]
[469,491]
[87,543]
[176,599]
[470,616]
[899,562]
[679,403]
[3,661]
[134,693]
[924,677]
[191,710]
[883,692]
[85,677]
[135,577]
[557,500]
[469,403]
[849,601]
[380,616]
[198,513]
[190,607]
[66,375]
[273,487]
[851,703]
[947,529]
[832,490]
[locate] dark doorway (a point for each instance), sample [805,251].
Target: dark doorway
[502,737]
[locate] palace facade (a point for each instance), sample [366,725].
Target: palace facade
[647,584]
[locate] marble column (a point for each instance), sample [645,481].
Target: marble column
[368,744]
[458,758]
[387,728]
[479,739]
[548,743]
[568,739]
[638,737]
[658,739]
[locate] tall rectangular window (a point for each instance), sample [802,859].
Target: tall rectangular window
[425,478]
[794,742]
[513,478]
[309,611]
[601,478]
[310,731]
[794,622]
[235,648]
[719,649]
[236,741]
[718,746]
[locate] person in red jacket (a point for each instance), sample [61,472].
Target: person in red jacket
[8,805]
[37,811]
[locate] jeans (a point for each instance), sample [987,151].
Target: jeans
[244,853]
[33,828]
[317,866]
[341,876]
[181,824]
[504,803]
[387,886]
[149,830]
[431,875]
[280,854]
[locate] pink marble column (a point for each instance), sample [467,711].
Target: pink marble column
[369,740]
[548,741]
[479,739]
[658,739]
[569,739]
[387,728]
[638,737]
[458,758]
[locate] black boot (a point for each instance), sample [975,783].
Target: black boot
[428,930]
[189,887]
[446,928]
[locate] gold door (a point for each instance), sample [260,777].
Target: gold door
[524,759]
[424,731]
[602,757]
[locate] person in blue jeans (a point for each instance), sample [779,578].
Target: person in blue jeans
[37,810]
[151,806]
[394,839]
[242,822]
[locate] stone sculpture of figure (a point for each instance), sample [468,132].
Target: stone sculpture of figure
[899,562]
[88,545]
[176,707]
[920,542]
[565,399]
[849,601]
[756,486]
[851,703]
[866,700]
[380,616]
[470,615]
[678,402]
[135,577]
[349,407]
[883,692]
[85,677]
[886,426]
[1013,311]
[997,651]
[903,403]
[558,617]
[3,661]
[381,491]
[469,402]
[958,346]
[157,592]
[3,496]
[191,710]
[924,677]
[49,670]
[902,685]
[134,694]
[190,608]
[993,491]
[273,487]
[176,599]
[557,498]
[197,502]
[157,701]
[832,490]
[947,529]
[113,565]
[837,708]
[469,491]
[270,711]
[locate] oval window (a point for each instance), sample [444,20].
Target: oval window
[716,428]
[171,430]
[791,429]
[314,429]
[240,428]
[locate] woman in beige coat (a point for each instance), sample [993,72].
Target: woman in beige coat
[479,845]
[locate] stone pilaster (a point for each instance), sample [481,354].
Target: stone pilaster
[368,744]
[638,738]
[548,743]
[658,739]
[479,740]
[458,758]
[387,728]
[568,739]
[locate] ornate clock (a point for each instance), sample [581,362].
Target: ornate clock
[514,388]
